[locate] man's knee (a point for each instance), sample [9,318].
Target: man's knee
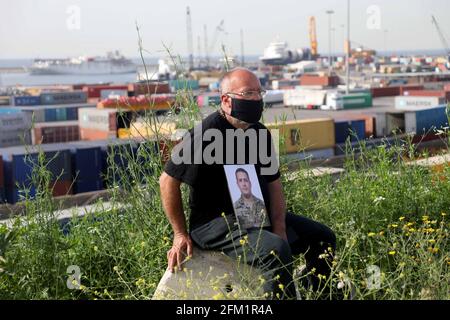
[328,238]
[276,246]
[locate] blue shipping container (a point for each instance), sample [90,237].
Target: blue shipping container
[50,115]
[367,144]
[426,120]
[9,110]
[355,129]
[63,97]
[19,163]
[26,101]
[72,114]
[87,168]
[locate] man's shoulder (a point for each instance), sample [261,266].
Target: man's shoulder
[212,121]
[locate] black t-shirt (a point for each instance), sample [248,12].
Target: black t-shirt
[209,196]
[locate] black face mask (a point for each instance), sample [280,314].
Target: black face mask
[249,111]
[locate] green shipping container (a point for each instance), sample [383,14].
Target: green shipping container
[357,100]
[183,84]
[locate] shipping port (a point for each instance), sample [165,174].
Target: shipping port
[359,96]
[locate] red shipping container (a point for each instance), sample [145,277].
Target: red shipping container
[417,139]
[94,91]
[56,132]
[94,134]
[385,92]
[403,89]
[428,93]
[61,188]
[151,87]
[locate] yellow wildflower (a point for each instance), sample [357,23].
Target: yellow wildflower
[371,234]
[401,218]
[218,296]
[393,252]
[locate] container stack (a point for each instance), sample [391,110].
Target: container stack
[14,128]
[19,163]
[100,124]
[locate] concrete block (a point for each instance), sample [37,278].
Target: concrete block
[210,275]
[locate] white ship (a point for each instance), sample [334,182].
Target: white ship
[277,53]
[113,63]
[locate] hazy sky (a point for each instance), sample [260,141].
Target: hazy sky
[44,28]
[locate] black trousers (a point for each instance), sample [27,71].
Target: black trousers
[270,253]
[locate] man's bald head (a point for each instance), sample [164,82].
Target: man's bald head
[239,80]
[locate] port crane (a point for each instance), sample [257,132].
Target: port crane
[313,36]
[190,41]
[209,48]
[441,36]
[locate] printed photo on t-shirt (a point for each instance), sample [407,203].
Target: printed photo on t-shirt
[246,195]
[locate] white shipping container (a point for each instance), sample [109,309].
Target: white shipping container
[274,96]
[99,119]
[335,101]
[380,125]
[15,138]
[14,121]
[113,94]
[408,103]
[303,98]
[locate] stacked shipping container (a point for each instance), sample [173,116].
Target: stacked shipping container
[19,163]
[100,124]
[14,129]
[64,131]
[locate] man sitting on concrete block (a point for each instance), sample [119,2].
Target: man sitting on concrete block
[233,136]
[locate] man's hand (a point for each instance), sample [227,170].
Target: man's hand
[182,244]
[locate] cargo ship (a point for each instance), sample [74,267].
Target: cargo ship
[113,63]
[277,53]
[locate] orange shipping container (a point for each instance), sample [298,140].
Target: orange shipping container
[313,80]
[428,93]
[94,134]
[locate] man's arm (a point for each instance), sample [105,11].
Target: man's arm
[173,207]
[277,208]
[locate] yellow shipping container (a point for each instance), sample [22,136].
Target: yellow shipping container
[123,133]
[144,130]
[306,134]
